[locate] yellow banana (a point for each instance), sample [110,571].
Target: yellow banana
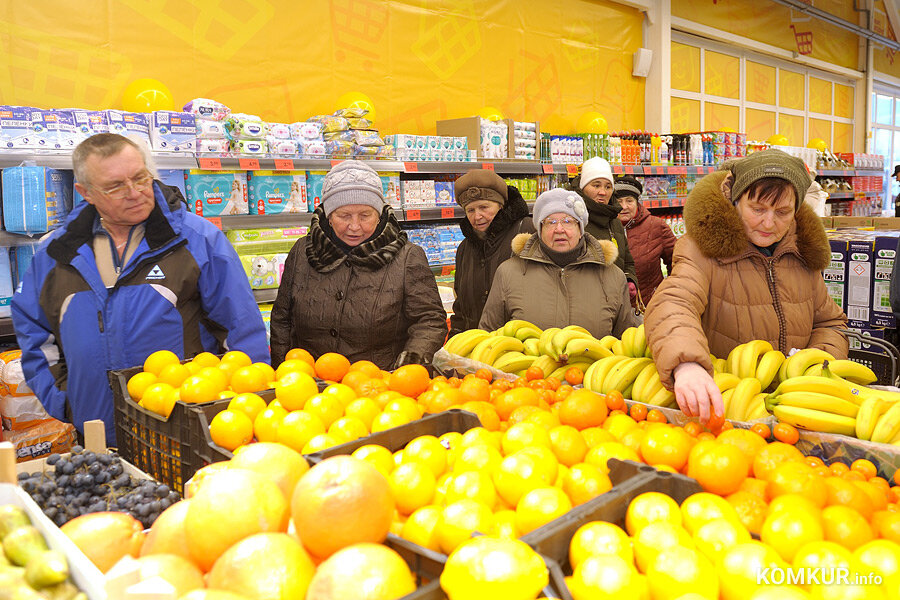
[584,348]
[603,368]
[721,365]
[607,341]
[757,408]
[532,346]
[640,383]
[546,364]
[852,371]
[743,394]
[749,357]
[639,342]
[815,370]
[823,402]
[733,359]
[726,381]
[628,341]
[819,385]
[512,362]
[588,374]
[624,375]
[619,348]
[560,373]
[528,333]
[815,420]
[512,326]
[768,367]
[663,398]
[463,343]
[493,348]
[870,411]
[564,336]
[546,340]
[726,400]
[804,359]
[648,353]
[888,426]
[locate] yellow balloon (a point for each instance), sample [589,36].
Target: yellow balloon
[592,122]
[778,140]
[358,100]
[146,95]
[818,144]
[727,129]
[490,113]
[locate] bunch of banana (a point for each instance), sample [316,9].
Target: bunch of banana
[546,364]
[798,363]
[745,401]
[463,343]
[887,426]
[852,371]
[858,392]
[521,330]
[553,341]
[815,403]
[648,388]
[513,362]
[493,347]
[754,359]
[870,412]
[560,372]
[634,343]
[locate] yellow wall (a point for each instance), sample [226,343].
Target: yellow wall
[285,61]
[886,60]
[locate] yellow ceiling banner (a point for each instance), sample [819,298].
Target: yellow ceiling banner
[819,96]
[286,61]
[779,26]
[886,60]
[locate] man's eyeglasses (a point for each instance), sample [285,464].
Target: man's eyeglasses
[139,183]
[567,223]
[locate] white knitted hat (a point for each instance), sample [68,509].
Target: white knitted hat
[595,168]
[559,201]
[352,182]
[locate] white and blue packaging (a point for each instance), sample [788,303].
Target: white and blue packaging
[35,199]
[217,193]
[277,192]
[172,131]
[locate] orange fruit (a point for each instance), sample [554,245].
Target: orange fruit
[540,506]
[718,535]
[421,526]
[429,451]
[230,429]
[678,570]
[479,457]
[282,465]
[880,556]
[786,433]
[178,571]
[846,527]
[440,400]
[317,443]
[719,468]
[249,379]
[773,455]
[174,374]
[410,380]
[294,389]
[666,446]
[574,376]
[746,441]
[459,520]
[248,502]
[534,373]
[509,401]
[582,409]
[583,482]
[651,507]
[328,408]
[364,409]
[485,411]
[887,526]
[519,414]
[205,359]
[265,425]
[248,403]
[598,538]
[361,572]
[138,383]
[788,530]
[300,354]
[367,367]
[159,360]
[700,508]
[638,412]
[353,379]
[159,398]
[472,485]
[739,566]
[197,389]
[602,452]
[412,485]
[655,537]
[294,366]
[340,502]
[348,429]
[656,416]
[846,493]
[865,467]
[405,406]
[237,358]
[523,435]
[568,445]
[762,430]
[297,428]
[750,508]
[167,534]
[484,374]
[797,478]
[474,390]
[377,456]
[615,400]
[332,366]
[265,565]
[518,474]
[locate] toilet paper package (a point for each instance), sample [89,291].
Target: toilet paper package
[61,130]
[217,193]
[281,131]
[277,192]
[35,199]
[210,130]
[172,131]
[282,147]
[314,180]
[16,127]
[90,122]
[218,146]
[136,125]
[248,146]
[239,126]
[206,109]
[306,131]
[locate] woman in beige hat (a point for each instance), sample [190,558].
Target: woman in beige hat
[748,268]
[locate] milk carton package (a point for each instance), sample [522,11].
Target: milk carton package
[172,131]
[35,199]
[217,193]
[277,192]
[16,127]
[135,125]
[314,181]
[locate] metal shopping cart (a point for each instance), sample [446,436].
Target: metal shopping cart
[879,355]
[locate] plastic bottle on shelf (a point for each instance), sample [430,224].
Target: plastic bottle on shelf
[654,149]
[615,148]
[663,151]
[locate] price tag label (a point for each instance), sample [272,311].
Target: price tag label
[547,168]
[217,221]
[572,170]
[617,169]
[487,166]
[679,170]
[413,215]
[411,167]
[249,164]
[447,212]
[284,164]
[857,195]
[210,164]
[447,269]
[335,163]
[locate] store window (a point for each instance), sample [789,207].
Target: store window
[886,137]
[716,86]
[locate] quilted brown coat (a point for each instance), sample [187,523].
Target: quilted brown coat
[650,240]
[347,306]
[723,291]
[477,259]
[589,292]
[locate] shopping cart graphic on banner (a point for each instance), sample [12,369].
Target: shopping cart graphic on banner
[804,40]
[446,42]
[359,27]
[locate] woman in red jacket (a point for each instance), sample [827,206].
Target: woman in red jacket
[649,238]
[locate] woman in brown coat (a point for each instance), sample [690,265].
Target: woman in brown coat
[495,214]
[355,285]
[649,238]
[749,267]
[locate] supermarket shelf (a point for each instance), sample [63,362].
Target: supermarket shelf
[6,327]
[62,159]
[664,202]
[260,221]
[429,214]
[8,238]
[850,195]
[661,170]
[849,172]
[265,295]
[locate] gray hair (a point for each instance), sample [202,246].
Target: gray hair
[105,145]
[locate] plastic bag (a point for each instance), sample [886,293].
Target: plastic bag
[42,439]
[351,113]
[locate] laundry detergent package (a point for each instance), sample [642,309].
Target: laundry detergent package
[35,199]
[277,192]
[129,124]
[206,109]
[16,128]
[314,181]
[217,193]
[172,131]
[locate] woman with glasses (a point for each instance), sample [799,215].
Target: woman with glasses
[561,275]
[495,213]
[355,284]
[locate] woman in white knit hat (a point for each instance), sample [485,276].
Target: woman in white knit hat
[355,284]
[597,188]
[561,275]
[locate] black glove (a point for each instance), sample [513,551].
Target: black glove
[409,358]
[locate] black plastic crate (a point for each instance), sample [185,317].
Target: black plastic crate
[883,358]
[630,480]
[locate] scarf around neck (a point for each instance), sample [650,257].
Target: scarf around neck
[326,252]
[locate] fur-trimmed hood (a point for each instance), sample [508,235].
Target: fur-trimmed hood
[716,227]
[527,246]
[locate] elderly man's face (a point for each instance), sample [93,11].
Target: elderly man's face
[120,187]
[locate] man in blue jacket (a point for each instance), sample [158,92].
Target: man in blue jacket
[129,273]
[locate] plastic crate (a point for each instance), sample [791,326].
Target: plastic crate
[884,362]
[552,540]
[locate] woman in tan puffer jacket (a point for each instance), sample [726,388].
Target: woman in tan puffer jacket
[746,269]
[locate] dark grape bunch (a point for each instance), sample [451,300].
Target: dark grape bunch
[87,482]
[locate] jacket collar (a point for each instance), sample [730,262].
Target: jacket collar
[514,209]
[160,226]
[715,226]
[527,246]
[639,217]
[600,214]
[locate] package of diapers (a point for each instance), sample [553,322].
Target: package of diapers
[217,146]
[239,126]
[282,147]
[314,181]
[216,193]
[263,261]
[35,199]
[16,127]
[210,130]
[306,131]
[277,192]
[266,234]
[172,131]
[134,125]
[204,108]
[248,146]
[61,130]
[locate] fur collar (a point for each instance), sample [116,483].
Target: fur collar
[604,252]
[714,224]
